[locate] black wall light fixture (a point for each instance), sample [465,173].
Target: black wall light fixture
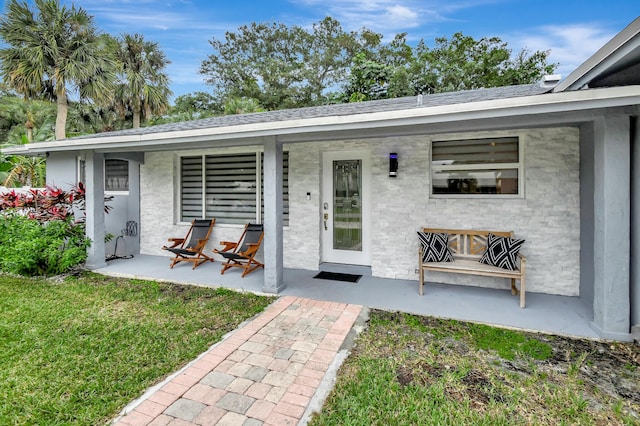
[393,164]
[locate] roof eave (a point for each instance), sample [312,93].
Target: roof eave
[248,133]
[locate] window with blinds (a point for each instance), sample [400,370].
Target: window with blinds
[231,188]
[81,171]
[487,166]
[191,188]
[116,175]
[225,187]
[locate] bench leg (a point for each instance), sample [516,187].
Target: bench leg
[521,292]
[421,281]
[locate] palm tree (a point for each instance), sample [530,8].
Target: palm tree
[32,118]
[24,171]
[144,86]
[88,118]
[52,52]
[244,105]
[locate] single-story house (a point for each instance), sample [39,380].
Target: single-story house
[555,162]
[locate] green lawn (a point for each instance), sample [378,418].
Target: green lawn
[77,351]
[412,370]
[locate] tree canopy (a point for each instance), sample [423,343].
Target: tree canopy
[280,66]
[56,53]
[285,67]
[52,51]
[104,83]
[143,86]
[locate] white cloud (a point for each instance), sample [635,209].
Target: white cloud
[390,17]
[385,16]
[398,13]
[142,19]
[570,45]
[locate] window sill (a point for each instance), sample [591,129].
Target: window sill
[476,197]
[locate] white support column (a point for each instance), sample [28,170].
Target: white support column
[272,245]
[95,228]
[635,229]
[612,195]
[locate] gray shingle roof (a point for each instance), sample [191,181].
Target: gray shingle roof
[396,104]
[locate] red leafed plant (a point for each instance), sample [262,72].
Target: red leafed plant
[42,231]
[50,203]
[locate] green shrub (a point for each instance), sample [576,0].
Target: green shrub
[29,247]
[42,231]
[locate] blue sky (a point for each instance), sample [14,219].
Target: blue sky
[571,29]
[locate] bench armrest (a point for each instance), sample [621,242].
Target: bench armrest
[523,261]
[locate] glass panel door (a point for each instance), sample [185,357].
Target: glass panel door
[347,205]
[346,183]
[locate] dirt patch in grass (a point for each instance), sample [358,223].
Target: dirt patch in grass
[432,371]
[611,367]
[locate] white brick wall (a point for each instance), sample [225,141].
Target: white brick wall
[548,217]
[159,208]
[156,203]
[302,238]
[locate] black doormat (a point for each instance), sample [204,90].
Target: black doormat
[336,276]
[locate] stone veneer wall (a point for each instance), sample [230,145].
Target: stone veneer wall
[548,217]
[159,210]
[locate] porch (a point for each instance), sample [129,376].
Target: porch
[546,313]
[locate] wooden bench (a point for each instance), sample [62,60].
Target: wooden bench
[467,247]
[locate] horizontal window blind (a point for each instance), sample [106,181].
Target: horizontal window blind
[190,188]
[231,185]
[475,151]
[116,175]
[231,188]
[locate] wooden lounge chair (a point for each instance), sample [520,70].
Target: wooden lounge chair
[242,254]
[193,250]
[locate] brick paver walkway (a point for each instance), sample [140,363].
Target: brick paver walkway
[264,373]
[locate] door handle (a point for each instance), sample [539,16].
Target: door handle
[326,217]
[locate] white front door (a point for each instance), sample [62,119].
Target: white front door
[346,198]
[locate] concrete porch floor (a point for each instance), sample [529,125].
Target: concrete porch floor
[546,313]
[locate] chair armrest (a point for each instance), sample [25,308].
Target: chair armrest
[176,242]
[228,245]
[251,248]
[198,247]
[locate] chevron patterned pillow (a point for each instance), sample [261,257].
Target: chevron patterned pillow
[501,252]
[435,247]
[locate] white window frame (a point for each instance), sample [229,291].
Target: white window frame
[81,175]
[178,199]
[115,192]
[519,166]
